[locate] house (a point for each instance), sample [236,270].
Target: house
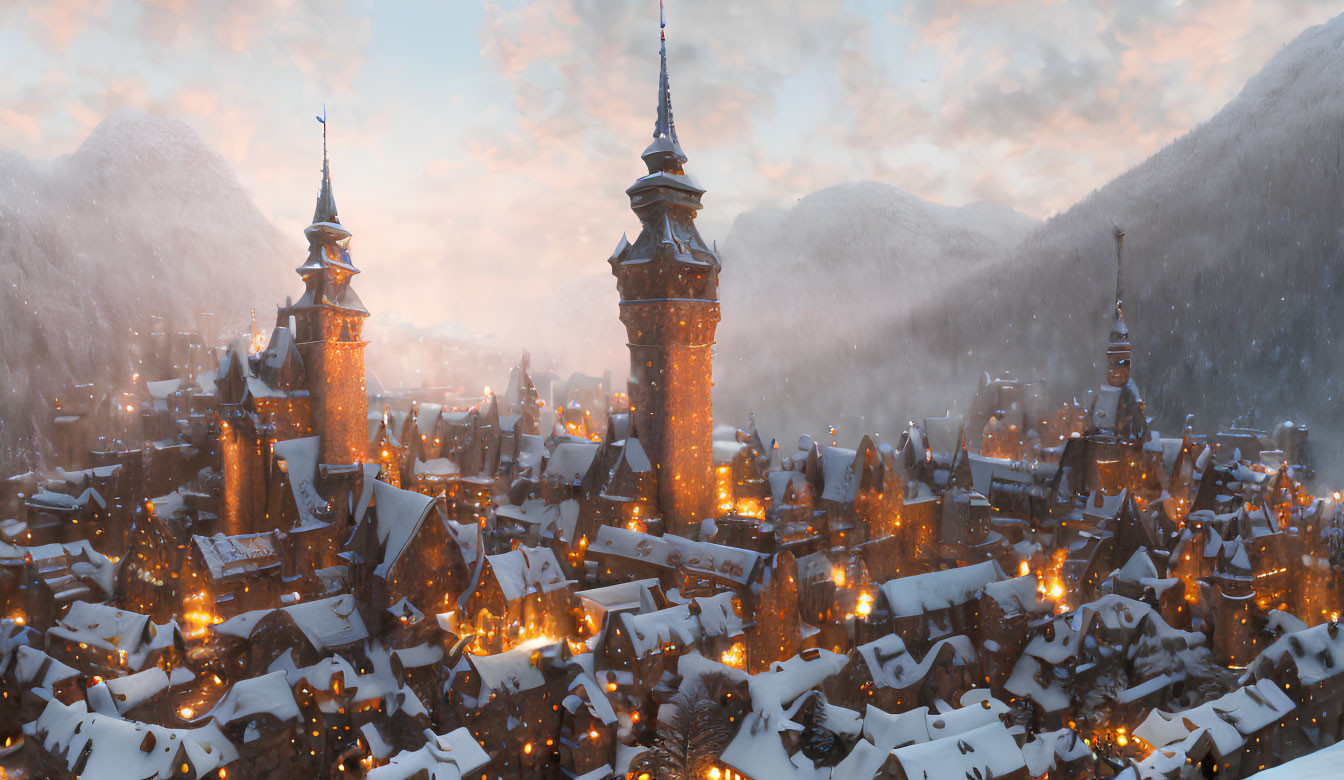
[1234,735]
[67,741]
[102,640]
[927,607]
[450,756]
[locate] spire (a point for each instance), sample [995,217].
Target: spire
[1118,349]
[1119,269]
[664,154]
[326,202]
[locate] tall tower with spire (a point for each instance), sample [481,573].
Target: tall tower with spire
[1118,408]
[668,281]
[327,321]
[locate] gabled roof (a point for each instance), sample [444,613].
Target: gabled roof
[268,694]
[330,623]
[910,596]
[227,556]
[570,461]
[527,570]
[400,514]
[300,457]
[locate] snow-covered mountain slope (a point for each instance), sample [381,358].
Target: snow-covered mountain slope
[1233,269]
[142,219]
[809,292]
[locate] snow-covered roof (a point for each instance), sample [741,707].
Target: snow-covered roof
[47,499]
[1228,720]
[888,730]
[513,670]
[163,388]
[570,461]
[1017,594]
[910,596]
[779,483]
[400,513]
[586,691]
[134,689]
[449,756]
[635,456]
[984,470]
[268,694]
[226,556]
[988,751]
[718,616]
[241,625]
[891,666]
[730,563]
[1139,568]
[100,625]
[330,623]
[1050,748]
[757,751]
[300,457]
[624,543]
[1102,506]
[527,570]
[619,597]
[650,632]
[1115,612]
[1317,652]
[839,483]
[120,748]
[35,669]
[1026,681]
[546,519]
[774,690]
[435,467]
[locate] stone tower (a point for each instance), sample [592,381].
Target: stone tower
[327,321]
[668,281]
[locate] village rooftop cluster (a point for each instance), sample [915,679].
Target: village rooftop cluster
[255,562]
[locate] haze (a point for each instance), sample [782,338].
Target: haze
[481,152]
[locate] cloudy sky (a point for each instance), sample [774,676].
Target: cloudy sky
[481,151]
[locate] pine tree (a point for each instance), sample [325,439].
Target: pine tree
[690,742]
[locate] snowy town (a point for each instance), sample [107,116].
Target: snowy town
[249,559]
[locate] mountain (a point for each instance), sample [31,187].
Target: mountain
[142,219]
[1232,276]
[808,293]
